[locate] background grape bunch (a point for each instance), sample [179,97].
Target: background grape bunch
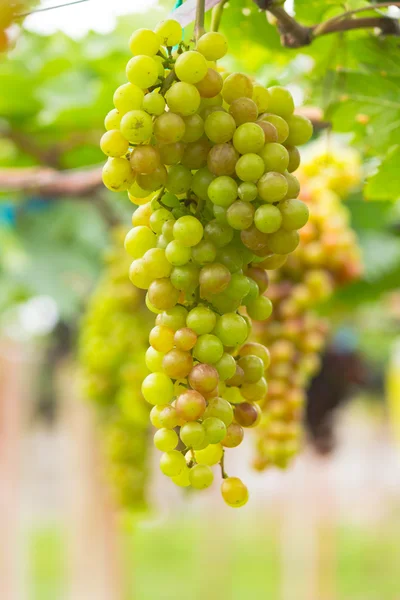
[327,257]
[9,13]
[208,159]
[113,339]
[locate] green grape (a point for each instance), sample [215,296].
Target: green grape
[234,492]
[157,388]
[188,231]
[137,193]
[168,227]
[154,359]
[145,159]
[194,128]
[139,275]
[191,67]
[208,349]
[169,32]
[212,45]
[172,463]
[294,214]
[225,366]
[270,131]
[260,276]
[283,242]
[117,174]
[211,455]
[138,240]
[158,218]
[243,110]
[201,181]
[165,440]
[182,480]
[127,97]
[112,120]
[222,159]
[204,252]
[162,294]
[114,144]
[201,477]
[234,435]
[231,329]
[220,214]
[231,257]
[294,158]
[250,167]
[179,179]
[239,286]
[275,157]
[177,364]
[203,378]
[201,320]
[177,254]
[211,84]
[220,408]
[185,278]
[300,130]
[249,137]
[168,417]
[256,349]
[280,101]
[153,181]
[153,103]
[169,128]
[281,126]
[185,338]
[159,60]
[274,261]
[161,338]
[214,278]
[157,264]
[195,156]
[136,126]
[259,309]
[223,191]
[192,434]
[247,191]
[268,218]
[253,368]
[144,41]
[240,215]
[272,187]
[237,86]
[255,392]
[219,127]
[293,186]
[190,405]
[171,154]
[183,98]
[174,318]
[260,97]
[252,294]
[142,70]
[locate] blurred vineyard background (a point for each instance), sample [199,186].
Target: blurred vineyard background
[326,529]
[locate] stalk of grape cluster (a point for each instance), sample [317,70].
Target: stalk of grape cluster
[113,340]
[207,158]
[327,257]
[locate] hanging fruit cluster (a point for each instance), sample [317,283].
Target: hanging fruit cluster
[327,257]
[113,340]
[208,159]
[10,10]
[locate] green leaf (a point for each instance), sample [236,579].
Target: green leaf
[385,183]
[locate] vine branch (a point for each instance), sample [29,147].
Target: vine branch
[50,183]
[216,15]
[296,35]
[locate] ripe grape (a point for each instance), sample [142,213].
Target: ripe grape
[145,159]
[127,97]
[172,463]
[272,187]
[169,128]
[188,230]
[211,455]
[250,167]
[234,492]
[222,159]
[223,191]
[300,130]
[249,137]
[190,405]
[191,67]
[243,110]
[183,98]
[280,101]
[268,218]
[136,126]
[169,32]
[117,174]
[165,440]
[142,71]
[212,45]
[240,215]
[201,477]
[275,157]
[237,86]
[219,127]
[144,41]
[208,349]
[211,84]
[281,126]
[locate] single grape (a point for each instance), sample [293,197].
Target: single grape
[211,84]
[172,463]
[212,45]
[169,32]
[294,214]
[211,455]
[183,98]
[117,174]
[190,405]
[300,130]
[256,349]
[154,359]
[161,338]
[185,338]
[231,257]
[175,318]
[201,181]
[214,278]
[274,261]
[171,154]
[157,388]
[240,215]
[162,294]
[179,179]
[222,159]
[255,240]
[182,480]
[195,155]
[185,278]
[248,415]
[153,181]
[259,309]
[272,187]
[203,378]
[165,440]
[145,159]
[239,286]
[201,319]
[249,137]
[260,276]
[255,392]
[223,191]
[177,364]
[275,157]
[142,71]
[253,367]
[188,231]
[138,240]
[144,41]
[283,242]
[127,97]
[247,191]
[192,434]
[270,131]
[260,97]
[153,103]
[294,158]
[136,126]
[237,86]
[114,144]
[250,167]
[204,252]
[280,125]
[177,254]
[234,492]
[201,477]
[231,329]
[280,101]
[208,349]
[194,128]
[169,128]
[112,120]
[219,127]
[234,436]
[138,275]
[158,219]
[226,367]
[191,67]
[268,218]
[243,110]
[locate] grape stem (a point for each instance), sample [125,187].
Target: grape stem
[199,22]
[168,81]
[222,463]
[216,15]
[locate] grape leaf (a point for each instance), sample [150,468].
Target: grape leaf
[385,183]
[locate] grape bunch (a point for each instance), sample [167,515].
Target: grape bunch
[327,257]
[208,160]
[9,11]
[113,339]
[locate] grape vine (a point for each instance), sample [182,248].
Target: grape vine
[208,158]
[327,257]
[113,340]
